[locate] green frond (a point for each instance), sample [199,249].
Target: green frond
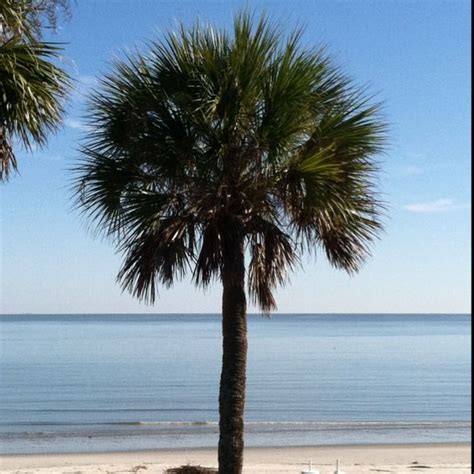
[329,187]
[272,257]
[159,254]
[209,260]
[32,92]
[26,18]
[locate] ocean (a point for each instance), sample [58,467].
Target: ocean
[76,383]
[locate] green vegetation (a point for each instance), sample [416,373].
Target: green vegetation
[32,87]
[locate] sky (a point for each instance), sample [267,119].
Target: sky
[414,55]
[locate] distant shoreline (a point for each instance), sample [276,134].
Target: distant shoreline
[249,314]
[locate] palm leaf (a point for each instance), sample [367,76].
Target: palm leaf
[32,94]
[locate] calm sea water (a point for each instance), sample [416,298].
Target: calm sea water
[118,382]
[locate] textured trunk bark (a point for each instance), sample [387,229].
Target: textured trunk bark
[234,359]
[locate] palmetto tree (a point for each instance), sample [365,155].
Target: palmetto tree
[218,148]
[32,87]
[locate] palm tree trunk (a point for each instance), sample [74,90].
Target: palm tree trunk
[234,359]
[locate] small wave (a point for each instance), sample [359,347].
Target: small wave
[163,423]
[314,424]
[354,424]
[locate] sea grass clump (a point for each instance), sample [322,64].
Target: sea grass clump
[191,470]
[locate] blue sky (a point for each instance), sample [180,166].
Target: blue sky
[414,54]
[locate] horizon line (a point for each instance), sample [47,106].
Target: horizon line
[219,313]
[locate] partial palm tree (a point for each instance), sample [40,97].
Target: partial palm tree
[228,155]
[32,87]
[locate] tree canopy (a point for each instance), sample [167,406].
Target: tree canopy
[210,135]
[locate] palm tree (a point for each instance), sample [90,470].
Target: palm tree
[215,149]
[32,87]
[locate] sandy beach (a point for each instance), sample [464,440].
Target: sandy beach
[432,458]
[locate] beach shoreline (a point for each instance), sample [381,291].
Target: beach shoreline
[438,458]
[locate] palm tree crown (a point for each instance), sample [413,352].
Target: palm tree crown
[210,136]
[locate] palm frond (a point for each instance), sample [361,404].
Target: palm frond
[32,93]
[209,260]
[272,257]
[27,18]
[156,255]
[329,188]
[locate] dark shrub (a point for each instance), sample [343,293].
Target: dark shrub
[191,470]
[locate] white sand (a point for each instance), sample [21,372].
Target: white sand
[427,458]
